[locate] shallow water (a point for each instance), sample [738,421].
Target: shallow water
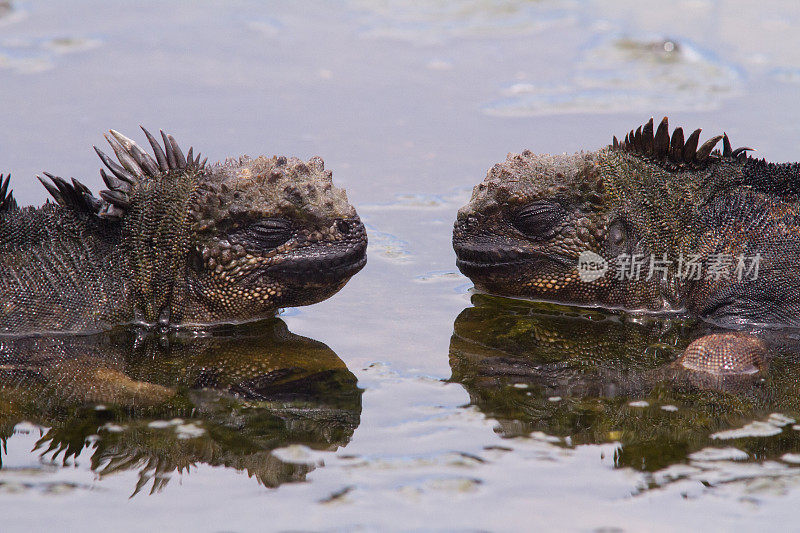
[409,104]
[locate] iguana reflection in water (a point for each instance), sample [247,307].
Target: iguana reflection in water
[572,372]
[162,404]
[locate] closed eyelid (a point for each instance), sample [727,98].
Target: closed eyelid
[266,233]
[538,219]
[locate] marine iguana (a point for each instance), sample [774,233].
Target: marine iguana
[650,206]
[175,241]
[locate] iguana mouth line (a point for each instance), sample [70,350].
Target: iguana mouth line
[488,262]
[313,271]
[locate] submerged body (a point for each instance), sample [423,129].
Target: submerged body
[174,241]
[652,223]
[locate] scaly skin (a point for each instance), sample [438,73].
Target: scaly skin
[655,195]
[176,242]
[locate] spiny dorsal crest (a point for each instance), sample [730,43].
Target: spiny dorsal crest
[673,151]
[75,195]
[7,202]
[134,165]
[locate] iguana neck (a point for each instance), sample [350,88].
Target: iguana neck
[156,236]
[659,207]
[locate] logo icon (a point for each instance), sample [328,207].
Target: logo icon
[591,266]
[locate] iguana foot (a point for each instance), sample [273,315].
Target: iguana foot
[725,354]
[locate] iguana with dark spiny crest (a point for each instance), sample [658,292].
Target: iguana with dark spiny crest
[656,200]
[175,241]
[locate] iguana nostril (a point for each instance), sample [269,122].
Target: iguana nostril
[343,226]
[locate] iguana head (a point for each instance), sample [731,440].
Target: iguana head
[527,223]
[534,217]
[270,232]
[228,242]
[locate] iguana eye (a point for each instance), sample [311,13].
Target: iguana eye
[265,234]
[538,219]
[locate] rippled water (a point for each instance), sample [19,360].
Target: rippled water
[406,401]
